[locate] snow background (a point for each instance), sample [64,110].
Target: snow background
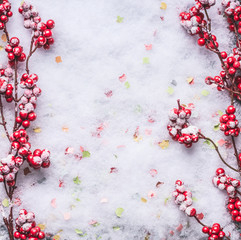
[96,50]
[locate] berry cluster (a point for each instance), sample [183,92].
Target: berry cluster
[41,31]
[5,13]
[15,52]
[223,181]
[234,207]
[28,101]
[193,20]
[184,199]
[180,129]
[214,232]
[26,227]
[229,123]
[9,167]
[39,158]
[6,89]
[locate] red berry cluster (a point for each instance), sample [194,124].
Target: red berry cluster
[26,227]
[224,182]
[20,144]
[39,158]
[215,232]
[180,129]
[5,13]
[184,199]
[15,52]
[6,89]
[234,207]
[28,101]
[41,31]
[229,123]
[9,167]
[193,20]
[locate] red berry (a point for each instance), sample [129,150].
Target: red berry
[47,33]
[201,41]
[41,40]
[32,116]
[14,42]
[37,152]
[230,109]
[50,24]
[50,41]
[232,71]
[8,48]
[11,56]
[2,26]
[23,114]
[17,51]
[236,64]
[224,55]
[26,123]
[205,229]
[4,18]
[41,235]
[17,235]
[22,57]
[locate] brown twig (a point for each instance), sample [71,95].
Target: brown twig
[3,119]
[217,150]
[235,151]
[199,221]
[6,33]
[31,51]
[16,94]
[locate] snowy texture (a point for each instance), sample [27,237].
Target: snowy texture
[124,65]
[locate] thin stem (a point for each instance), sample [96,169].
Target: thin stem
[31,51]
[217,150]
[236,34]
[3,119]
[16,95]
[199,221]
[6,32]
[208,18]
[235,151]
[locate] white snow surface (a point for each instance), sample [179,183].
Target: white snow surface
[96,50]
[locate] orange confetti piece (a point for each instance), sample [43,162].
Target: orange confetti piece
[190,80]
[58,59]
[65,129]
[4,37]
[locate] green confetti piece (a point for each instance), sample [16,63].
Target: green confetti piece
[119,212]
[86,154]
[146,60]
[166,200]
[205,92]
[76,180]
[96,224]
[220,113]
[77,199]
[127,85]
[170,90]
[5,202]
[216,127]
[78,231]
[116,228]
[138,109]
[119,19]
[194,199]
[209,143]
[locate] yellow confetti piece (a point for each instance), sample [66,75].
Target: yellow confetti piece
[42,226]
[1,48]
[58,59]
[163,6]
[205,92]
[164,144]
[138,139]
[56,237]
[4,37]
[190,80]
[21,3]
[143,200]
[37,130]
[170,90]
[65,129]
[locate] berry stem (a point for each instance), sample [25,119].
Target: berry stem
[31,51]
[199,221]
[235,151]
[217,150]
[16,94]
[179,105]
[6,32]
[208,18]
[3,119]
[236,34]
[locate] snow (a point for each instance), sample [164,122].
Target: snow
[75,111]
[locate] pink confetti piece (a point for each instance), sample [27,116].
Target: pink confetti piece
[179,228]
[215,114]
[151,120]
[104,200]
[121,146]
[162,18]
[153,172]
[190,105]
[148,132]
[81,149]
[53,203]
[200,216]
[67,216]
[151,194]
[221,142]
[69,150]
[113,170]
[92,222]
[61,183]
[109,93]
[154,34]
[17,201]
[148,47]
[122,78]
